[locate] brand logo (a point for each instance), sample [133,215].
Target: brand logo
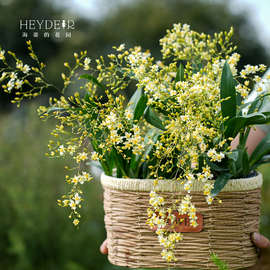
[182,224]
[47,28]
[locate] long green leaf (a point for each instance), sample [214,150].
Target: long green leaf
[55,109]
[152,118]
[180,73]
[227,91]
[255,105]
[245,163]
[133,168]
[135,99]
[233,168]
[241,165]
[220,183]
[144,170]
[134,162]
[93,79]
[262,149]
[119,162]
[108,163]
[233,155]
[234,125]
[152,134]
[215,167]
[263,160]
[137,103]
[140,107]
[252,104]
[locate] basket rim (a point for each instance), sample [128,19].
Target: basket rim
[146,185]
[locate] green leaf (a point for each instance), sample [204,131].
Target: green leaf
[134,161]
[220,183]
[245,163]
[106,165]
[201,161]
[152,118]
[152,134]
[135,99]
[92,79]
[87,96]
[196,67]
[235,124]
[233,168]
[63,111]
[137,103]
[134,167]
[180,73]
[263,160]
[238,99]
[215,167]
[119,163]
[257,103]
[144,170]
[241,165]
[109,162]
[262,149]
[218,262]
[227,91]
[233,155]
[55,109]
[140,107]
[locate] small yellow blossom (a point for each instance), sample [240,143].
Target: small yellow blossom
[76,222]
[94,156]
[72,204]
[87,61]
[2,55]
[77,198]
[61,150]
[81,157]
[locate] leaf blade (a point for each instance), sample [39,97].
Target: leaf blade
[262,149]
[235,124]
[180,74]
[152,118]
[227,92]
[220,183]
[140,107]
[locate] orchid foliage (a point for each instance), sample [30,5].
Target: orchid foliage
[179,123]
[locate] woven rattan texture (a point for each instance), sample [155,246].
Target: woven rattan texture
[227,229]
[172,185]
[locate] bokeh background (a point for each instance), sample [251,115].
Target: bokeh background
[35,234]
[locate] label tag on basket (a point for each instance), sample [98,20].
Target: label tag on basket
[182,223]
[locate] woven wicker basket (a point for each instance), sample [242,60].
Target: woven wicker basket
[226,229]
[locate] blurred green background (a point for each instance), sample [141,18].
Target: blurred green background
[34,232]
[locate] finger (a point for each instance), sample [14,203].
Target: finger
[104,248]
[260,241]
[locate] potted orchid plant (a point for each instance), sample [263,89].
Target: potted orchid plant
[171,140]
